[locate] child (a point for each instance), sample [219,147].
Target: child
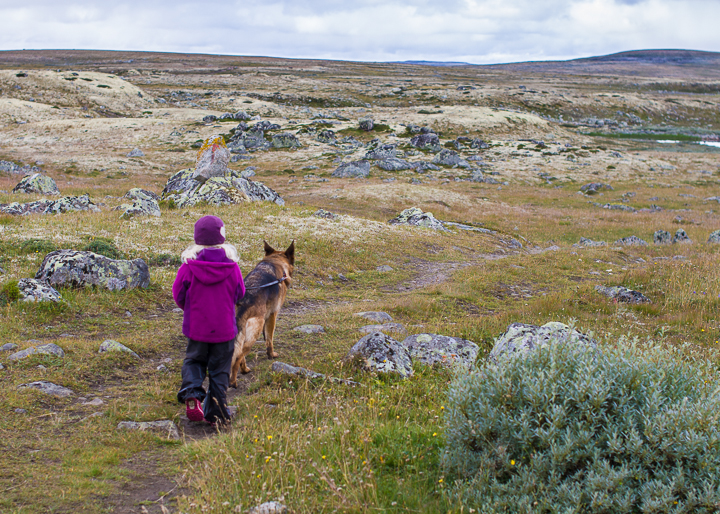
[207,287]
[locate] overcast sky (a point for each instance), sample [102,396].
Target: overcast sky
[476,31]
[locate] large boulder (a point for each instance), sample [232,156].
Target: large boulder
[285,140]
[71,268]
[32,290]
[681,237]
[523,338]
[37,183]
[352,169]
[431,349]
[382,354]
[425,141]
[212,160]
[622,294]
[59,206]
[184,191]
[42,349]
[394,164]
[449,157]
[140,207]
[662,237]
[137,193]
[415,216]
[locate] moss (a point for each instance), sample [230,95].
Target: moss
[37,246]
[103,246]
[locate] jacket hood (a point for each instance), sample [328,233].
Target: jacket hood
[211,272]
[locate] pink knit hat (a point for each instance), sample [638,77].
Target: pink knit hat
[209,231]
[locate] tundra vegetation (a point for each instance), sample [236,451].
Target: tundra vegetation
[514,146]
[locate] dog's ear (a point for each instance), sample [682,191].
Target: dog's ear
[290,253]
[269,250]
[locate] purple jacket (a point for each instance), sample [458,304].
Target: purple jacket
[207,289]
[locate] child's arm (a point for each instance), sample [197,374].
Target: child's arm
[180,286]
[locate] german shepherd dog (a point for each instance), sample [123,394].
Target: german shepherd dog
[265,290]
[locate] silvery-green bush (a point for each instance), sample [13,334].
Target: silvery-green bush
[571,429]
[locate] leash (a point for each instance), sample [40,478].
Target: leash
[270,284]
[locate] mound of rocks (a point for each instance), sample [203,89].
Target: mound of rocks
[32,290]
[16,169]
[415,216]
[449,157]
[59,206]
[144,203]
[523,338]
[230,189]
[352,169]
[380,151]
[37,183]
[71,268]
[42,349]
[380,353]
[622,294]
[366,124]
[431,349]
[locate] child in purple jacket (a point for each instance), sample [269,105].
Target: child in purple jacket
[207,287]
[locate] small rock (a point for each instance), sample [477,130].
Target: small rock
[366,124]
[136,152]
[681,237]
[281,367]
[380,353]
[589,243]
[310,329]
[113,346]
[8,347]
[662,237]
[385,327]
[381,151]
[384,268]
[164,427]
[269,508]
[631,241]
[394,164]
[20,411]
[96,402]
[431,349]
[322,213]
[45,349]
[48,388]
[177,310]
[449,157]
[376,316]
[415,216]
[162,367]
[594,188]
[622,294]
[128,314]
[523,338]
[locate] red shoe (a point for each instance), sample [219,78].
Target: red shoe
[194,411]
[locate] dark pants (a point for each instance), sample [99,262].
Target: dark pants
[216,358]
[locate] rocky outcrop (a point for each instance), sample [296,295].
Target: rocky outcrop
[380,151]
[380,353]
[37,183]
[415,216]
[184,191]
[394,164]
[285,140]
[589,243]
[16,169]
[622,294]
[59,206]
[523,338]
[352,169]
[43,349]
[70,268]
[32,290]
[431,349]
[137,193]
[212,160]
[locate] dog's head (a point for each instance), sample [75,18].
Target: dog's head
[285,260]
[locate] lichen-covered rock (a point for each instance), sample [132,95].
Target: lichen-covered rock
[140,207]
[322,213]
[366,124]
[434,349]
[59,206]
[8,347]
[479,144]
[352,169]
[136,152]
[37,183]
[622,294]
[48,388]
[594,188]
[70,268]
[681,237]
[662,237]
[285,140]
[394,164]
[425,141]
[382,354]
[449,157]
[714,237]
[212,160]
[424,167]
[269,508]
[631,241]
[415,216]
[32,290]
[380,151]
[137,193]
[385,327]
[326,136]
[45,349]
[310,329]
[113,346]
[523,338]
[163,427]
[376,316]
[589,243]
[184,191]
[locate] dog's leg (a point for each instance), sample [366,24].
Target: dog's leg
[269,332]
[253,329]
[236,360]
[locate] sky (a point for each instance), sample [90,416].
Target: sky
[474,31]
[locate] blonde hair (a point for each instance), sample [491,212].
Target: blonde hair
[192,251]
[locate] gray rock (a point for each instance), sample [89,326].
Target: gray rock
[431,349]
[681,237]
[241,115]
[228,190]
[470,228]
[479,144]
[269,508]
[352,169]
[714,237]
[310,329]
[589,243]
[7,347]
[113,346]
[37,184]
[285,140]
[415,216]
[140,207]
[382,354]
[394,164]
[209,118]
[20,411]
[44,349]
[136,152]
[631,241]
[322,213]
[32,290]
[70,268]
[622,294]
[477,176]
[594,188]
[381,151]
[425,141]
[213,159]
[385,327]
[376,316]
[384,268]
[137,193]
[449,157]
[248,172]
[366,124]
[288,369]
[424,167]
[59,206]
[662,237]
[326,136]
[163,427]
[523,338]
[48,388]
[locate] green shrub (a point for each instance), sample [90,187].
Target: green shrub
[9,292]
[103,246]
[567,429]
[37,246]
[164,259]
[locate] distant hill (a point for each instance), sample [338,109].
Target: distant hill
[434,63]
[659,57]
